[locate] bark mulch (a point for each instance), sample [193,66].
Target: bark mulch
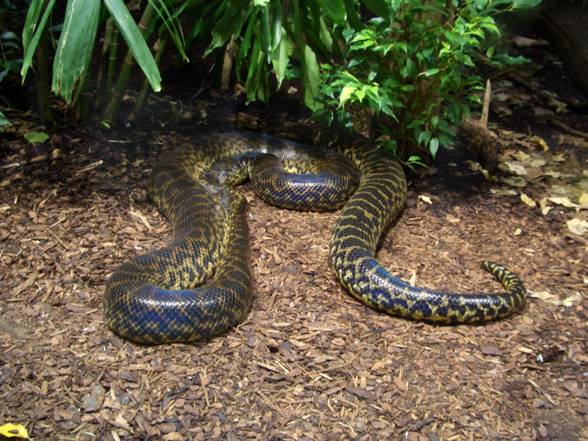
[310,362]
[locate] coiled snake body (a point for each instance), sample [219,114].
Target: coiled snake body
[200,284]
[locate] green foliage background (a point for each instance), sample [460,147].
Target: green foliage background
[403,68]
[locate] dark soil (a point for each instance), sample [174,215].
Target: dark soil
[310,363]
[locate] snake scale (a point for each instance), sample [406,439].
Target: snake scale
[200,284]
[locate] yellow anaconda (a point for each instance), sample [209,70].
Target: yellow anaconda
[200,284]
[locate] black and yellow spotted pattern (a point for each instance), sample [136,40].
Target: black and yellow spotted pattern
[200,284]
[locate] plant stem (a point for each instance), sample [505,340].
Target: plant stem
[125,72]
[83,106]
[108,57]
[159,49]
[42,83]
[228,64]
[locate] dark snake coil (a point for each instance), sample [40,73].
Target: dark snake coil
[200,284]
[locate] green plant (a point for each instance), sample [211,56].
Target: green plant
[286,38]
[77,38]
[412,64]
[404,67]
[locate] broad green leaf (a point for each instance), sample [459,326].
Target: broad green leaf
[230,23]
[312,78]
[252,82]
[135,41]
[280,58]
[31,21]
[379,7]
[247,39]
[298,31]
[352,14]
[424,137]
[311,25]
[277,29]
[335,10]
[257,84]
[74,49]
[360,93]
[32,32]
[266,36]
[325,35]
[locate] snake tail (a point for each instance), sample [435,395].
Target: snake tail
[380,199]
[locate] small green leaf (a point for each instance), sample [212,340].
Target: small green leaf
[346,93]
[415,161]
[434,146]
[430,72]
[424,137]
[36,137]
[409,69]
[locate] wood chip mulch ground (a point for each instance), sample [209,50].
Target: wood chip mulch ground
[310,363]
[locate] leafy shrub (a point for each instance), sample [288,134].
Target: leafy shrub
[411,63]
[403,67]
[408,65]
